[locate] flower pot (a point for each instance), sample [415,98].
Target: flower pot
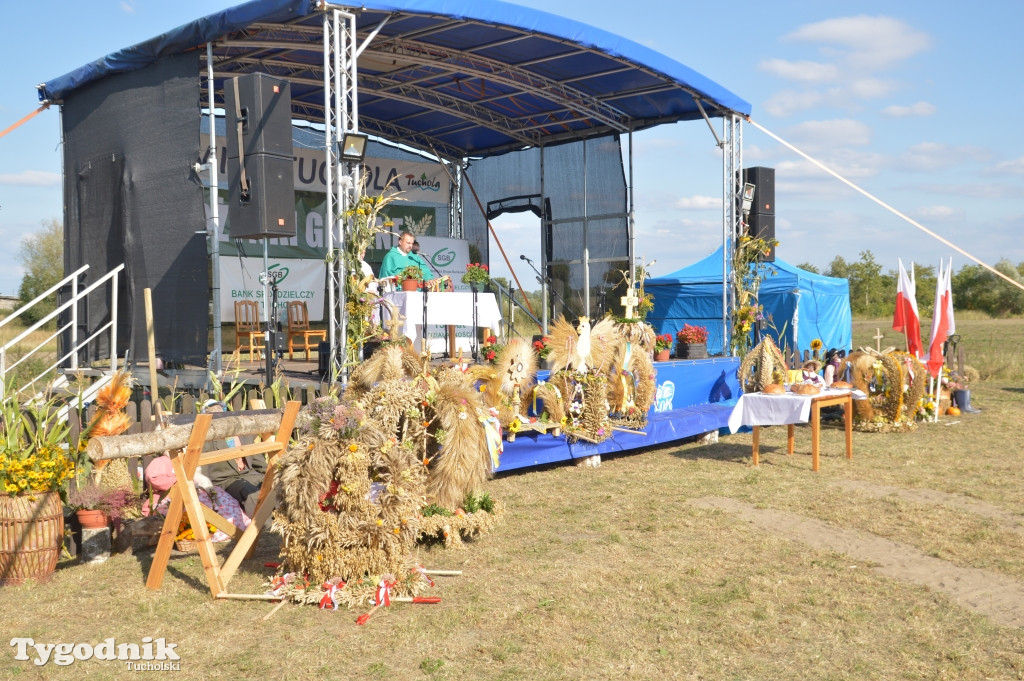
[410,285]
[662,355]
[31,533]
[92,519]
[479,286]
[692,350]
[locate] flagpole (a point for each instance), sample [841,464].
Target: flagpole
[937,312]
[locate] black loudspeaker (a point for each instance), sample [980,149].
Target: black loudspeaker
[264,107]
[763,180]
[762,226]
[268,210]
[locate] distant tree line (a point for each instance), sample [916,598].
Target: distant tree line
[873,292]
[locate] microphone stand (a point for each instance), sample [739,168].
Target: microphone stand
[542,280]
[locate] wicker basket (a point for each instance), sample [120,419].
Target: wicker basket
[186,545]
[31,533]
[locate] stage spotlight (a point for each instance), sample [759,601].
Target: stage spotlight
[748,196]
[353,147]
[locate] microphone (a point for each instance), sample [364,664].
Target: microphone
[523,257]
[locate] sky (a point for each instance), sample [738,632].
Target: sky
[917,102]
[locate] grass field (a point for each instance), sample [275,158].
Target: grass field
[906,562]
[993,346]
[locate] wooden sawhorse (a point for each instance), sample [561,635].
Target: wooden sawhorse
[184,499]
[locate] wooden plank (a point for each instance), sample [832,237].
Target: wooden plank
[233,453]
[194,509]
[222,523]
[188,462]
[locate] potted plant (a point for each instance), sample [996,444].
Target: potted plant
[542,349]
[476,276]
[96,507]
[960,391]
[662,347]
[409,278]
[90,506]
[489,349]
[692,342]
[34,465]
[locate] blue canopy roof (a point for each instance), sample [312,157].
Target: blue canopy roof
[816,305]
[462,77]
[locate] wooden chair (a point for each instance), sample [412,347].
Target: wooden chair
[298,327]
[248,334]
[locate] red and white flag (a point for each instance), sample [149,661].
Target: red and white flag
[906,319]
[942,319]
[951,327]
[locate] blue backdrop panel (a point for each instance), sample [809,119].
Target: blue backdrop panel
[694,397]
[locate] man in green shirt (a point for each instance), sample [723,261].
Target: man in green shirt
[401,256]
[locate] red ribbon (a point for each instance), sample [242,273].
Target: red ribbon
[423,571]
[383,594]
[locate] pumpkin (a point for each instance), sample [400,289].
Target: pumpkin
[953,411]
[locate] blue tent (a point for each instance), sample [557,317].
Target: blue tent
[814,305]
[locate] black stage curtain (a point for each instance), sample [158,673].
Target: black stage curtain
[131,197]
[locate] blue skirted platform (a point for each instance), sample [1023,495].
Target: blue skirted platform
[694,397]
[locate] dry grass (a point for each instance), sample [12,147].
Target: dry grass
[615,573]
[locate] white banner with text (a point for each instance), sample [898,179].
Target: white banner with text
[297,280]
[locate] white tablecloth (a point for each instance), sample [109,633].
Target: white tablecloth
[444,308]
[760,409]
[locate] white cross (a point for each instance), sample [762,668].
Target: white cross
[629,301]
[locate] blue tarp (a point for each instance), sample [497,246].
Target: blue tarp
[469,77]
[816,305]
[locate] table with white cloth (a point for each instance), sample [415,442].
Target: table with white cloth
[444,308]
[786,409]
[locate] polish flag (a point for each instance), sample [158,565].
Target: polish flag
[942,319]
[907,320]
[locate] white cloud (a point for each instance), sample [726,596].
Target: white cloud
[939,213]
[699,203]
[831,133]
[987,190]
[803,71]
[931,156]
[128,6]
[788,102]
[866,88]
[916,109]
[1013,167]
[31,178]
[864,42]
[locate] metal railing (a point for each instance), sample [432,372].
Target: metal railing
[505,297]
[71,327]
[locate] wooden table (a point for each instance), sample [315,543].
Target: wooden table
[794,409]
